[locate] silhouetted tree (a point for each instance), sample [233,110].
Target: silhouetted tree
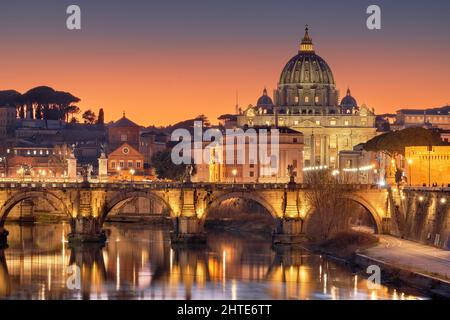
[89,117]
[12,98]
[45,103]
[101,117]
[72,110]
[166,169]
[393,143]
[327,195]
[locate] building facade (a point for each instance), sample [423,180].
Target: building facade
[123,131]
[125,161]
[150,144]
[7,122]
[307,101]
[289,153]
[431,118]
[428,166]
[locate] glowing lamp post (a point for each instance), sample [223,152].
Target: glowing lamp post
[132,174]
[234,173]
[118,172]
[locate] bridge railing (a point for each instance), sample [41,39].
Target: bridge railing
[165,185]
[426,189]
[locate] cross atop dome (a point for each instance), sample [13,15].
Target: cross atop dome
[306,45]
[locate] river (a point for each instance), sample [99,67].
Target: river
[138,262]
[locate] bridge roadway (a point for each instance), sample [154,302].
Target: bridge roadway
[87,204]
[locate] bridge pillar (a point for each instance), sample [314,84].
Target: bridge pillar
[3,237]
[289,231]
[188,227]
[85,230]
[85,226]
[289,227]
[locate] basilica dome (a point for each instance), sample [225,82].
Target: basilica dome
[306,67]
[307,81]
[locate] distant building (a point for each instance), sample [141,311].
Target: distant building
[125,161]
[150,143]
[28,160]
[123,131]
[428,165]
[358,166]
[7,122]
[276,171]
[433,117]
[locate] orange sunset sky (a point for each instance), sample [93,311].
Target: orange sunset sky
[168,61]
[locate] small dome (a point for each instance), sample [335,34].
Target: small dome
[348,102]
[264,100]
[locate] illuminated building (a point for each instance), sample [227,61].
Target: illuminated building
[433,117]
[126,161]
[428,166]
[290,153]
[306,100]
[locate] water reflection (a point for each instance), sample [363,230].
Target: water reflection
[138,262]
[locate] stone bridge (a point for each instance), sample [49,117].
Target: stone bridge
[88,204]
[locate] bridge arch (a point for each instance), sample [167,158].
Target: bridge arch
[122,197]
[240,195]
[362,202]
[55,201]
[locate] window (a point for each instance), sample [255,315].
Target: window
[130,164]
[306,99]
[332,122]
[346,122]
[296,99]
[295,140]
[138,164]
[123,137]
[296,122]
[252,165]
[318,122]
[113,164]
[252,174]
[294,164]
[316,99]
[121,163]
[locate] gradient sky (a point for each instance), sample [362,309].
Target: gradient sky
[163,61]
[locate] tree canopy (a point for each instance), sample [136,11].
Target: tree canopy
[41,102]
[394,142]
[89,117]
[165,168]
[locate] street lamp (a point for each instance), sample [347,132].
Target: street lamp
[132,173]
[409,167]
[118,173]
[234,173]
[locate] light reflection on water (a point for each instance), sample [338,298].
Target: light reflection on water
[138,262]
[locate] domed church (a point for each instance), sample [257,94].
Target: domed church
[307,100]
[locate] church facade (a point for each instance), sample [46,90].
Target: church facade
[306,100]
